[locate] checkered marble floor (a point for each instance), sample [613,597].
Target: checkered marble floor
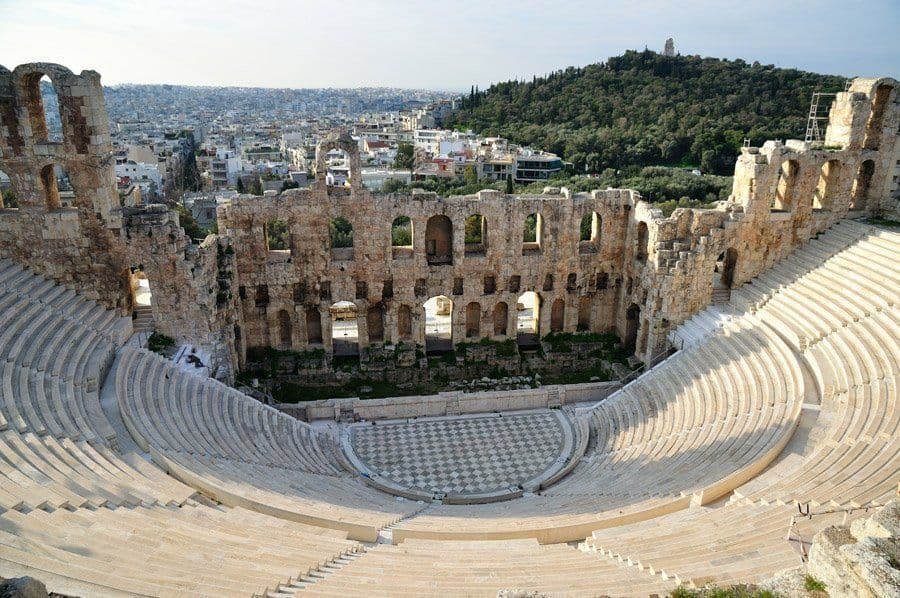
[467,455]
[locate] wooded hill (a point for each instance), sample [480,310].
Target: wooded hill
[643,108]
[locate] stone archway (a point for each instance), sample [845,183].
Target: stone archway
[557,315]
[438,324]
[528,319]
[501,318]
[784,189]
[473,320]
[313,325]
[285,330]
[344,328]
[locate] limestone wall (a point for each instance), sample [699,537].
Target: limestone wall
[76,244]
[451,403]
[638,273]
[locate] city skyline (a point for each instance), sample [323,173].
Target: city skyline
[407,45]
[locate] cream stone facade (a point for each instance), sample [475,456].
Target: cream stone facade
[638,273]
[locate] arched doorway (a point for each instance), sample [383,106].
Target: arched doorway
[557,315]
[375,323]
[862,185]
[404,323]
[501,318]
[438,324]
[473,320]
[584,313]
[723,272]
[285,330]
[344,328]
[632,323]
[439,240]
[528,308]
[313,325]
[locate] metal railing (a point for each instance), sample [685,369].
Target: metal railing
[793,535]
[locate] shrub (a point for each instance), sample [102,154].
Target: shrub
[812,584]
[158,343]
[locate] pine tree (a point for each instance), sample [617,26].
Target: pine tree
[240,185]
[509,184]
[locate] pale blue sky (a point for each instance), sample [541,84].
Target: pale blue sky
[429,43]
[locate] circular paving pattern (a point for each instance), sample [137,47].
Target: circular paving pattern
[474,458]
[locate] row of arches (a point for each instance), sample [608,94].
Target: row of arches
[439,234]
[56,187]
[827,186]
[521,321]
[50,116]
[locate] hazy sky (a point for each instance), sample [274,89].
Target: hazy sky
[429,43]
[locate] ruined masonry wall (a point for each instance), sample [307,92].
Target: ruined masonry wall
[641,276]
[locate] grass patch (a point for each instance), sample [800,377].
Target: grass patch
[812,584]
[884,222]
[736,591]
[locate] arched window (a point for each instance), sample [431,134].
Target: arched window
[285,332]
[641,249]
[473,320]
[826,189]
[404,323]
[589,231]
[51,187]
[278,235]
[8,197]
[557,315]
[375,323]
[875,126]
[531,233]
[344,328]
[313,325]
[862,185]
[500,317]
[341,232]
[476,234]
[528,309]
[439,240]
[402,232]
[43,109]
[784,190]
[438,324]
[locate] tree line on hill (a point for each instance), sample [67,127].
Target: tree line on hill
[643,109]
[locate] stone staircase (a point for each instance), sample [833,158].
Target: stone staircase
[386,534]
[142,321]
[314,576]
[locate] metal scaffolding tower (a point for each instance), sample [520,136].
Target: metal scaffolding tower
[813,130]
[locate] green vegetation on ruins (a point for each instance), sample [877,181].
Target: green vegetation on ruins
[667,187]
[160,343]
[404,369]
[643,108]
